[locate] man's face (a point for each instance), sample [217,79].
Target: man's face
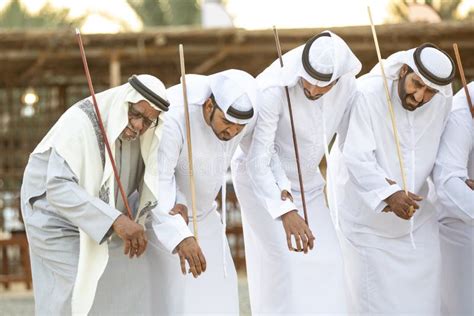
[313,92]
[141,116]
[413,92]
[223,128]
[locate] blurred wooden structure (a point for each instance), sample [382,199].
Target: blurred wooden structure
[21,272]
[39,58]
[49,63]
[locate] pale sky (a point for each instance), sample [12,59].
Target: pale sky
[111,15]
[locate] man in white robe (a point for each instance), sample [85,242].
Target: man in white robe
[221,108]
[391,257]
[73,212]
[453,176]
[320,77]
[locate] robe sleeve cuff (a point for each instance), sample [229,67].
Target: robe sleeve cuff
[172,232]
[284,185]
[181,198]
[107,231]
[278,208]
[382,194]
[380,207]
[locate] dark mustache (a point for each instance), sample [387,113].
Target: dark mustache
[311,97]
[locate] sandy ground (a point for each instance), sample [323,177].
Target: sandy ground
[18,301]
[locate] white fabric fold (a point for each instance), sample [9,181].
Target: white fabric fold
[394,63]
[326,54]
[231,87]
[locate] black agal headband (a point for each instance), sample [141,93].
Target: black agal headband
[238,114]
[428,74]
[307,65]
[148,93]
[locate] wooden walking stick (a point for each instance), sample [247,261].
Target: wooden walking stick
[188,138]
[101,125]
[463,78]
[293,132]
[390,107]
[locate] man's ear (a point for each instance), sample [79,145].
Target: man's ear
[403,70]
[208,105]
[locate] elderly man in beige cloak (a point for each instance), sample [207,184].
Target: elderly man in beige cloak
[72,209]
[453,177]
[392,258]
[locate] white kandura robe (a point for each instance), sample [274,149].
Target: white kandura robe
[212,292]
[384,274]
[280,281]
[455,164]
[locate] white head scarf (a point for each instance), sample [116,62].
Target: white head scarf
[230,88]
[327,54]
[113,107]
[433,59]
[236,89]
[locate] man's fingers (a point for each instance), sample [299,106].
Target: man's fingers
[470,183]
[403,214]
[413,204]
[298,242]
[135,243]
[192,266]
[288,241]
[126,246]
[285,195]
[197,263]
[415,197]
[400,211]
[192,270]
[203,260]
[182,262]
[305,241]
[141,246]
[310,239]
[191,262]
[144,244]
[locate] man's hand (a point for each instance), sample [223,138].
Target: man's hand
[403,205]
[132,234]
[189,250]
[295,226]
[470,183]
[181,210]
[285,195]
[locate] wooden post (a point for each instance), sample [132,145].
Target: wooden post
[114,70]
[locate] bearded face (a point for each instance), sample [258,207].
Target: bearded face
[413,92]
